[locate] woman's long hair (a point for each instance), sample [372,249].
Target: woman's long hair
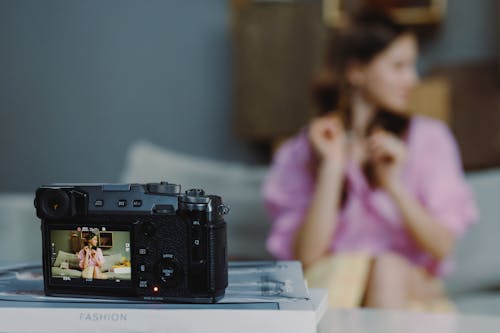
[367,34]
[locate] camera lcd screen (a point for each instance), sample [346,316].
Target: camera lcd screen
[90,256]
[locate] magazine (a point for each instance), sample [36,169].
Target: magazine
[258,294]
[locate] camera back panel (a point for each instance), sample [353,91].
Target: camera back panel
[174,244]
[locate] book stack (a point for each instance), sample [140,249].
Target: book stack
[261,297]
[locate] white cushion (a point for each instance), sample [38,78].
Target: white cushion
[485,303]
[477,259]
[237,184]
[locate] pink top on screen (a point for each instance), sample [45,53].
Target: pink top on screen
[92,261]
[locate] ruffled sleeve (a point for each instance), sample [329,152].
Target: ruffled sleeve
[81,258]
[287,191]
[445,192]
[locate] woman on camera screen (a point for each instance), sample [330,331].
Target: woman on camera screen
[369,178]
[91,259]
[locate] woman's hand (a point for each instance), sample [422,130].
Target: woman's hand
[313,238]
[86,249]
[328,139]
[388,154]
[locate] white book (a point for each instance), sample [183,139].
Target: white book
[261,297]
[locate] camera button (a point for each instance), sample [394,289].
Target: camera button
[170,272]
[137,203]
[99,203]
[122,203]
[142,268]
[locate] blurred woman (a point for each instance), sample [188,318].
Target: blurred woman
[368,177]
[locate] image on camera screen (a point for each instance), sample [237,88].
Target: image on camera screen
[90,254]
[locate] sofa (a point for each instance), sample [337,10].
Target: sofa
[72,268]
[474,285]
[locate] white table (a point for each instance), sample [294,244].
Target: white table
[385,321]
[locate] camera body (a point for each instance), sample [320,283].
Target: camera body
[134,241]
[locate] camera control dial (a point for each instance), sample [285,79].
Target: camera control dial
[170,271]
[195,192]
[163,188]
[195,196]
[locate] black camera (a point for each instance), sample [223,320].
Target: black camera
[137,241]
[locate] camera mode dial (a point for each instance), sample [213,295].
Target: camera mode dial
[195,196]
[163,188]
[195,192]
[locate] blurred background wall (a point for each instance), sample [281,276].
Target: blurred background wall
[468,34]
[81,80]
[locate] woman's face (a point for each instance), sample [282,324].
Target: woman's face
[388,80]
[93,241]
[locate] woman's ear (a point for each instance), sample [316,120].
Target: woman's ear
[356,73]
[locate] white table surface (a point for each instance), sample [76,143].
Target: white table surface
[385,321]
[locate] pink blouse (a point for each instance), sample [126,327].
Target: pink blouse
[369,221]
[92,261]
